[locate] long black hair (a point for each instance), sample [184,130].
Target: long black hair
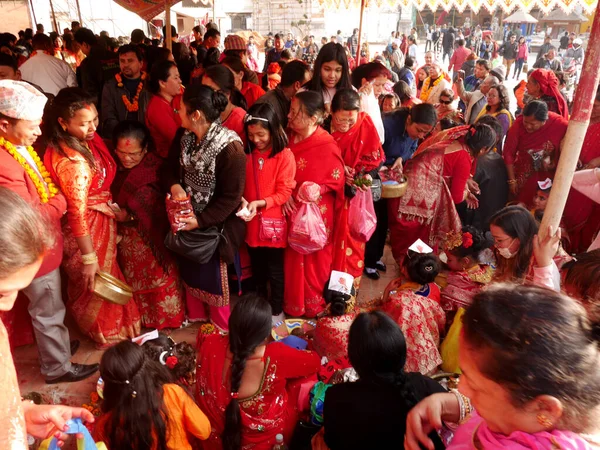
[377,351]
[518,223]
[264,115]
[249,326]
[64,106]
[160,72]
[223,77]
[133,395]
[330,52]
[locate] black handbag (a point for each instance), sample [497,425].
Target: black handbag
[196,245]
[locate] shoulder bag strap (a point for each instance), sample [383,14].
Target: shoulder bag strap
[257,186]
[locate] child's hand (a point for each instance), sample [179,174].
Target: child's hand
[545,250]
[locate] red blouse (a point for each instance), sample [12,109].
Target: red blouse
[276,180]
[457,168]
[235,122]
[163,121]
[251,92]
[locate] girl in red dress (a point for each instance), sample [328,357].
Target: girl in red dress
[318,160]
[363,155]
[270,179]
[241,381]
[221,79]
[162,117]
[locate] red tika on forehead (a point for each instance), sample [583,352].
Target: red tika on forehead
[127,142]
[87,106]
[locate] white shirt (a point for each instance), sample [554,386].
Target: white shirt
[48,72]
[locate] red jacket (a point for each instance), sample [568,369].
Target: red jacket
[14,177]
[277,180]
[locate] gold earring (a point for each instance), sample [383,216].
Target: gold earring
[544,421]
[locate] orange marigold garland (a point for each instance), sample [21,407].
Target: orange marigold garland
[45,190]
[134,105]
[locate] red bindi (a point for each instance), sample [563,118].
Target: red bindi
[88,106]
[127,142]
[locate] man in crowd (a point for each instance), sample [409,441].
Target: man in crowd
[125,98]
[549,61]
[576,52]
[9,69]
[236,46]
[39,29]
[353,42]
[198,31]
[406,74]
[21,108]
[459,56]
[310,51]
[448,40]
[472,82]
[212,38]
[545,47]
[274,54]
[75,26]
[98,66]
[436,37]
[181,54]
[46,71]
[475,100]
[339,38]
[509,52]
[289,43]
[397,58]
[295,74]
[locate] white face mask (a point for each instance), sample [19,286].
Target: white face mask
[505,252]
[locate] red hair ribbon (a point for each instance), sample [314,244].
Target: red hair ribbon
[467,239]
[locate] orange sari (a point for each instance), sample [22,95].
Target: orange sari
[87,191]
[361,151]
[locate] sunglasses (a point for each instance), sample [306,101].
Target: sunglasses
[446,102]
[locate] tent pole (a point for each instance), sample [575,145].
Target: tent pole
[79,12]
[578,124]
[360,28]
[54,17]
[32,13]
[168,42]
[213,11]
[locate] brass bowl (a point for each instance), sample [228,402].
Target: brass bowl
[394,190]
[112,289]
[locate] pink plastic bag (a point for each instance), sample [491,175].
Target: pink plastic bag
[307,231]
[362,220]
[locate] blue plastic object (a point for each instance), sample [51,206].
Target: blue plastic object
[76,426]
[295,342]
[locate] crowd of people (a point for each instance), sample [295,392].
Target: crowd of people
[222,194]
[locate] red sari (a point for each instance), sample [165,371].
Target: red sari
[361,151]
[318,159]
[582,215]
[520,145]
[426,211]
[148,266]
[269,411]
[87,192]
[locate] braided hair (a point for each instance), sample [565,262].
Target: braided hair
[377,351]
[249,326]
[133,395]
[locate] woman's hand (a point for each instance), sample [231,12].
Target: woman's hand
[289,207]
[43,421]
[253,209]
[243,205]
[189,222]
[365,187]
[178,193]
[593,164]
[473,186]
[472,201]
[397,166]
[349,174]
[513,188]
[545,250]
[366,89]
[89,272]
[120,214]
[427,416]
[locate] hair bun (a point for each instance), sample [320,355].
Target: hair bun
[219,101]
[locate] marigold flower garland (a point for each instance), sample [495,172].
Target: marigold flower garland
[45,194]
[135,105]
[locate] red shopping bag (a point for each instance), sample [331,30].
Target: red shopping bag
[307,231]
[362,220]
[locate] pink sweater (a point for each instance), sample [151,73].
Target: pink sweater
[588,183]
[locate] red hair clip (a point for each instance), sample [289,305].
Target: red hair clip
[472,130]
[235,395]
[171,362]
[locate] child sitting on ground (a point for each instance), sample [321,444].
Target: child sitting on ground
[142,408]
[179,358]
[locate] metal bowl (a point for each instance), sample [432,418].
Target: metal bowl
[395,190]
[112,289]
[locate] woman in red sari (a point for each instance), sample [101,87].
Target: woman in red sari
[443,164]
[532,148]
[221,79]
[80,163]
[362,153]
[318,160]
[543,85]
[162,117]
[241,381]
[148,266]
[582,215]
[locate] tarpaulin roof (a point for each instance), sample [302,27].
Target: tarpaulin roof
[146,9]
[520,17]
[507,6]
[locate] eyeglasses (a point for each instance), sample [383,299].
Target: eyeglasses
[446,102]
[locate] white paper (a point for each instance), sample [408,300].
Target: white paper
[341,282]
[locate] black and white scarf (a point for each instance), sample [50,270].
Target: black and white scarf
[198,161]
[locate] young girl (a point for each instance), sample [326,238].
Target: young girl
[142,408]
[415,306]
[466,276]
[541,198]
[270,179]
[221,79]
[389,102]
[330,73]
[179,358]
[522,55]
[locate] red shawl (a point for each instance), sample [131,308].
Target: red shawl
[139,191]
[549,86]
[362,151]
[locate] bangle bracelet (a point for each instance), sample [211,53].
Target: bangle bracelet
[89,258]
[465,406]
[512,181]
